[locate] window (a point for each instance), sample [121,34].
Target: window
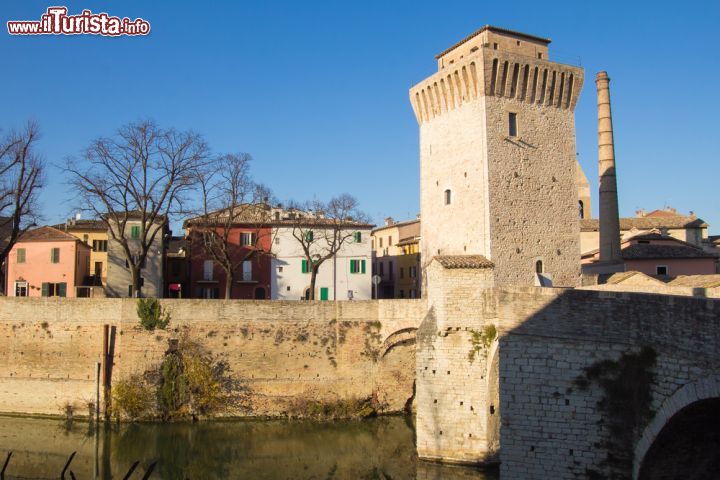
[358,237]
[381,269]
[85,238]
[247,239]
[390,269]
[540,55]
[412,293]
[512,124]
[207,270]
[54,289]
[54,255]
[247,271]
[402,272]
[448,197]
[309,236]
[661,269]
[277,216]
[357,266]
[495,45]
[390,241]
[99,246]
[21,289]
[277,240]
[174,268]
[380,242]
[280,269]
[412,271]
[581,209]
[130,291]
[20,255]
[305,266]
[135,231]
[372,244]
[539,267]
[402,294]
[209,292]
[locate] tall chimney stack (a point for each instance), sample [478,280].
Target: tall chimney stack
[609,217]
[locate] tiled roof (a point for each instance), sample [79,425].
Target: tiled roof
[175,245]
[659,251]
[404,223]
[47,234]
[408,241]
[621,277]
[260,217]
[698,281]
[646,223]
[464,261]
[81,225]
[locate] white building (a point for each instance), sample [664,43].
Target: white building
[346,276]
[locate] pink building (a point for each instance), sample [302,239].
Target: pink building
[662,255]
[47,262]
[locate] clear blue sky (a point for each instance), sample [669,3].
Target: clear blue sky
[317,92]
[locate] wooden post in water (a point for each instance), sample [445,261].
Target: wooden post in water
[106,371]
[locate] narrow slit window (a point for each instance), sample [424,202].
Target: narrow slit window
[448,197]
[512,124]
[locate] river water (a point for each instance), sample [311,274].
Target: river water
[381,448]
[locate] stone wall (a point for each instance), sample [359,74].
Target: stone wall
[283,352]
[548,426]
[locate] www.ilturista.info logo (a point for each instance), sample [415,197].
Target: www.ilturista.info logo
[56,21]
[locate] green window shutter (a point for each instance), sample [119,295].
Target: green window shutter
[358,237]
[304,266]
[323,293]
[362,266]
[309,236]
[54,255]
[135,231]
[62,289]
[21,255]
[352,266]
[45,289]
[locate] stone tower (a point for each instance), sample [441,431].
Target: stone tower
[497,157]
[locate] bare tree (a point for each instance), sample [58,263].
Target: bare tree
[230,199]
[322,229]
[140,175]
[21,178]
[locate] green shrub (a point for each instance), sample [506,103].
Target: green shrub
[132,398]
[151,314]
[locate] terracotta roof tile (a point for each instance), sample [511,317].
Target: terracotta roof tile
[47,234]
[646,223]
[464,261]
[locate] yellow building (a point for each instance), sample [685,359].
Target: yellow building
[396,259]
[94,234]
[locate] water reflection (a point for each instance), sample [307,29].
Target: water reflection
[381,448]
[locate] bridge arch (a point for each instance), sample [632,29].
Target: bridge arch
[689,396]
[404,336]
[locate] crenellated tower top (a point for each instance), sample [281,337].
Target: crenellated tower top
[496,62]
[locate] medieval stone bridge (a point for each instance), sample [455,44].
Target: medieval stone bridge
[562,383]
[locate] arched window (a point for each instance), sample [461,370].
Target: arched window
[448,197]
[539,267]
[581,209]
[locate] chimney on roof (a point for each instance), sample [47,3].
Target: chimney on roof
[389,221]
[640,213]
[609,216]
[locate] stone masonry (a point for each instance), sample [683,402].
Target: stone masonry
[505,192]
